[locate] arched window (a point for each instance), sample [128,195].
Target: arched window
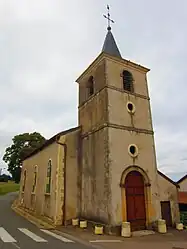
[48,184]
[90,86]
[24,180]
[128,81]
[35,178]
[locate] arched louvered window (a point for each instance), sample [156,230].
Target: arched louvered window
[90,86]
[128,81]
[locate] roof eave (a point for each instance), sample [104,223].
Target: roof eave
[106,55]
[128,62]
[97,59]
[182,179]
[51,141]
[168,179]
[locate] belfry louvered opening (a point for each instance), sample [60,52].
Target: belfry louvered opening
[128,81]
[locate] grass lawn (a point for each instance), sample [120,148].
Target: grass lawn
[7,187]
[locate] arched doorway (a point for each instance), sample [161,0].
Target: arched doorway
[135,200]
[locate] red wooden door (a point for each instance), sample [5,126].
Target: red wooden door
[135,200]
[166,212]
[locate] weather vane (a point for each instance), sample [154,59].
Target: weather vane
[108,18]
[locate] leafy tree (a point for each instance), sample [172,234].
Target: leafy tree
[23,145]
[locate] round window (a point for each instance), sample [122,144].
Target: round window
[130,107]
[133,150]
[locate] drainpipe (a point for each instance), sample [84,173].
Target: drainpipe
[64,203]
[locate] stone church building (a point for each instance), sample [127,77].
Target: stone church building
[105,169]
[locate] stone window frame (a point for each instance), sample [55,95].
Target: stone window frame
[48,177]
[35,179]
[136,150]
[90,86]
[134,107]
[128,84]
[24,180]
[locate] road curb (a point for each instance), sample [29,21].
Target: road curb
[41,224]
[44,225]
[36,221]
[80,241]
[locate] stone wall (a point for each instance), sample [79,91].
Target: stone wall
[130,128]
[117,100]
[93,114]
[107,131]
[72,169]
[38,201]
[98,74]
[183,185]
[64,155]
[120,160]
[95,177]
[169,192]
[114,71]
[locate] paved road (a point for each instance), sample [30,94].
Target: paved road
[16,232]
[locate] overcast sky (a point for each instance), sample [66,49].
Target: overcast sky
[46,44]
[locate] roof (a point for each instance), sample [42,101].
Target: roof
[182,179]
[104,55]
[110,49]
[182,197]
[51,140]
[168,179]
[110,46]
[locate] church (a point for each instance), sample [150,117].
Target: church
[105,169]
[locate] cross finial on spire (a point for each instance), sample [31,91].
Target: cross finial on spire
[108,18]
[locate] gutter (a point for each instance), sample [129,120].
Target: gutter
[64,203]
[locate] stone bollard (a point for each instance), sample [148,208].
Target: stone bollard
[126,229]
[98,230]
[179,226]
[83,224]
[162,226]
[75,222]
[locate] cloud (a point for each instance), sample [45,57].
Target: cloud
[46,44]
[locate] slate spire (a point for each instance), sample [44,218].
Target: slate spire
[110,46]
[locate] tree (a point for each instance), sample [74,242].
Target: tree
[17,174]
[4,178]
[23,145]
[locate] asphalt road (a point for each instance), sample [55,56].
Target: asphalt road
[17,232]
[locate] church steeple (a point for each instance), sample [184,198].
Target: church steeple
[110,46]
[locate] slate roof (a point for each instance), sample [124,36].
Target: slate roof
[50,141]
[110,46]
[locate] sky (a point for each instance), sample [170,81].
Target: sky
[46,44]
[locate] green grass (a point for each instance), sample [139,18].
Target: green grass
[8,187]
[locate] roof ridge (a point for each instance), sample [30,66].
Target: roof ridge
[182,179]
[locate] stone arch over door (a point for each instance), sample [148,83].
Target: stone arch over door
[135,189]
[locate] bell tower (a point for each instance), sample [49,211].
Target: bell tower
[117,141]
